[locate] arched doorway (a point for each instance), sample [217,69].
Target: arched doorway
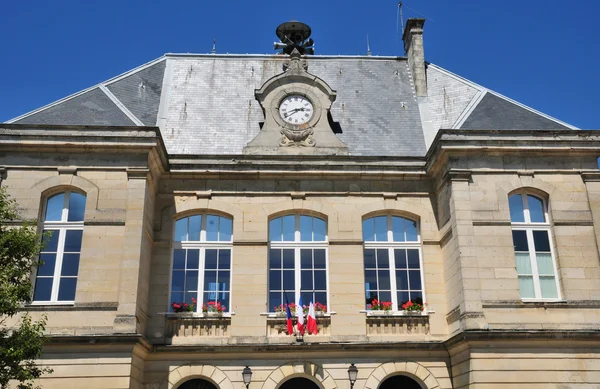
[299,383]
[400,382]
[197,384]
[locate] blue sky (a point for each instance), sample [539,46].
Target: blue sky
[541,53]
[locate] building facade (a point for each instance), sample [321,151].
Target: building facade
[247,182]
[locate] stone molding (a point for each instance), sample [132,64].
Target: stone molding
[410,369]
[46,186]
[309,370]
[186,373]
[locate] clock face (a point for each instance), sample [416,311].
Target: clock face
[296,109]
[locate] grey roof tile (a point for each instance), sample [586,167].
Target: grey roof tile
[140,92]
[494,112]
[90,108]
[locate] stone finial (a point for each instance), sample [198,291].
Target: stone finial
[295,62]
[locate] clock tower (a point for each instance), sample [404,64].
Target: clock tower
[296,103]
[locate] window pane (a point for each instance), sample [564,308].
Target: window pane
[223,298]
[400,257]
[70,265]
[370,258]
[306,280]
[369,296]
[403,297]
[307,297]
[319,229]
[402,279]
[398,229]
[381,229]
[416,297]
[178,259]
[414,279]
[368,226]
[50,241]
[306,228]
[548,286]
[181,230]
[541,241]
[193,259]
[210,281]
[210,261]
[384,279]
[523,263]
[289,227]
[370,280]
[288,259]
[520,240]
[412,235]
[225,229]
[526,287]
[275,280]
[194,228]
[515,203]
[47,269]
[76,207]
[413,259]
[385,296]
[320,280]
[177,281]
[319,258]
[212,228]
[306,259]
[43,289]
[175,298]
[275,230]
[536,209]
[66,290]
[224,259]
[275,259]
[191,280]
[73,241]
[54,207]
[274,300]
[224,280]
[545,265]
[321,297]
[289,280]
[383,259]
[189,296]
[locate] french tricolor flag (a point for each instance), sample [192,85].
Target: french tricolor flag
[311,320]
[290,325]
[300,316]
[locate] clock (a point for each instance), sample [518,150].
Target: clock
[296,109]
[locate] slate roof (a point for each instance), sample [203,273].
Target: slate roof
[204,104]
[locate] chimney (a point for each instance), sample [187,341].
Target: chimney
[413,47]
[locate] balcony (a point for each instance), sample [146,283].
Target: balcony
[382,323]
[196,328]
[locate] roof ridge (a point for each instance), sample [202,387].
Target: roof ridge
[83,91]
[485,90]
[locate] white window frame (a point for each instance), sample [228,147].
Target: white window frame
[391,246]
[298,245]
[202,245]
[528,226]
[61,227]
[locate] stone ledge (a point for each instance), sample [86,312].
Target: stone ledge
[576,304]
[397,325]
[97,306]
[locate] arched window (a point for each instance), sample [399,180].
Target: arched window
[392,259]
[56,278]
[297,260]
[536,266]
[202,261]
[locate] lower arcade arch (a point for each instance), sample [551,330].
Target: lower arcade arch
[399,382]
[299,383]
[197,384]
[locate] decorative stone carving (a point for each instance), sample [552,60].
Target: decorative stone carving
[312,133]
